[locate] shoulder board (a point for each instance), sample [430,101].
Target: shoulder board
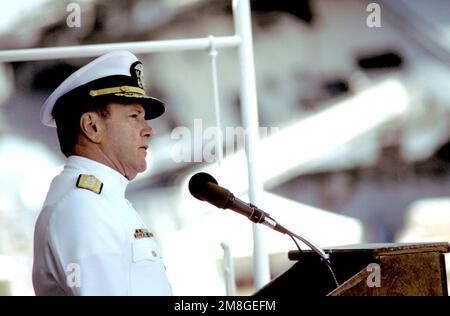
[89,182]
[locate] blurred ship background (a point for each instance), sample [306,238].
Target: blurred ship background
[355,126]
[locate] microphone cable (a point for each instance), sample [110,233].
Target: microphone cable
[327,261]
[295,241]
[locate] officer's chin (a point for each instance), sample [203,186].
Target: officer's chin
[143,167]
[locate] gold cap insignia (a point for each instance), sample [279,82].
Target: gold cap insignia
[137,71]
[89,182]
[142,233]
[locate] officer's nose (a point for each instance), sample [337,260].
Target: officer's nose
[148,131]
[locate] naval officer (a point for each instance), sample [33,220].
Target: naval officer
[88,239]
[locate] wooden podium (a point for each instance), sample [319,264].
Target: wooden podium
[366,270]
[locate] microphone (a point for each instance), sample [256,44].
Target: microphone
[204,187]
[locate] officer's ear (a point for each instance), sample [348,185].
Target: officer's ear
[92,126]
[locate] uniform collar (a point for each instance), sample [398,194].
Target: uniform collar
[113,181]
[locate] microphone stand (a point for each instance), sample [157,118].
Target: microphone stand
[307,242]
[259,216]
[320,252]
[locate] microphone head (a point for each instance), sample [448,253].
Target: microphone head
[198,184]
[205,188]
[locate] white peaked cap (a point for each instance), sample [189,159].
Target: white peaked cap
[117,75]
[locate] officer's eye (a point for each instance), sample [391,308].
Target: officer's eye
[135,113]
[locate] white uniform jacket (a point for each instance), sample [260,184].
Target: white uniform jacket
[94,243]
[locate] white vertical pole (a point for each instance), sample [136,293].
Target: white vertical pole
[230,284]
[249,107]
